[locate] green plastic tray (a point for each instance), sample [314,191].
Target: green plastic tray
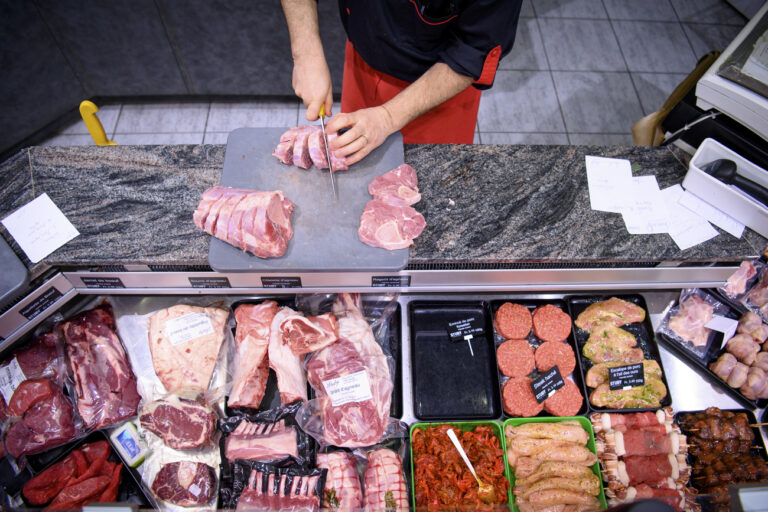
[463,426]
[584,422]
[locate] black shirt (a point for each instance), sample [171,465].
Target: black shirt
[404,38]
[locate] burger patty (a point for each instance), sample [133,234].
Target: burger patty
[566,401]
[555,353]
[518,400]
[515,358]
[513,321]
[550,323]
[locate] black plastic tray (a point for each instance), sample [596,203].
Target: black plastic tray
[643,332]
[448,382]
[532,304]
[699,360]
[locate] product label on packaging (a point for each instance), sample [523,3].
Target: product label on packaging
[188,327]
[281,282]
[390,281]
[102,282]
[625,377]
[465,329]
[354,387]
[11,376]
[41,303]
[209,282]
[545,386]
[128,443]
[194,490]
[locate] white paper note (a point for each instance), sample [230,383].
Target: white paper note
[712,214]
[723,324]
[609,179]
[685,227]
[39,228]
[645,212]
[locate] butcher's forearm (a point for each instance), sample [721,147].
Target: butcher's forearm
[437,85]
[303,28]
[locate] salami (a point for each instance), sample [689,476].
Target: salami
[566,401]
[512,321]
[518,399]
[550,323]
[515,358]
[555,353]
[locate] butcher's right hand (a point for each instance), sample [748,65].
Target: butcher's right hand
[312,83]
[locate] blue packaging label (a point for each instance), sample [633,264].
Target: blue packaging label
[127,442]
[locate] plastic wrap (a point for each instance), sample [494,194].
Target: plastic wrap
[756,297]
[685,321]
[269,487]
[183,420]
[736,287]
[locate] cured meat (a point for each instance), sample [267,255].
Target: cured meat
[614,310]
[550,323]
[255,221]
[362,419]
[389,227]
[291,380]
[106,386]
[251,366]
[184,342]
[515,358]
[309,334]
[262,441]
[737,282]
[342,483]
[398,187]
[513,321]
[276,492]
[690,320]
[384,482]
[185,483]
[182,424]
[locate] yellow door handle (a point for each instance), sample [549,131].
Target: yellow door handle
[88,111]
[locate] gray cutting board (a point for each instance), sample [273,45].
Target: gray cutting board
[14,275]
[324,230]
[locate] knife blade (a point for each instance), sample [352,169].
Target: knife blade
[327,152]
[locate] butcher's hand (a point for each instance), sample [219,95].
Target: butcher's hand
[368,128]
[312,83]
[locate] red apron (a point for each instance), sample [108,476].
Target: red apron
[451,122]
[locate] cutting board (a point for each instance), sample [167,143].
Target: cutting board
[14,276]
[325,231]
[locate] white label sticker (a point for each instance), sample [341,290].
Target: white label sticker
[188,327]
[727,326]
[354,387]
[194,490]
[10,378]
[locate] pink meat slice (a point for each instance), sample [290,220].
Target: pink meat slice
[291,380]
[212,218]
[221,230]
[301,156]
[209,197]
[398,187]
[385,487]
[342,484]
[251,363]
[317,149]
[309,334]
[182,424]
[276,495]
[389,227]
[262,441]
[267,231]
[339,163]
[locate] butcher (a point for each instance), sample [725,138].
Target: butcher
[415,66]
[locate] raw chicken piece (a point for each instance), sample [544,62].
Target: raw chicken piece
[291,380]
[743,347]
[749,322]
[342,484]
[738,376]
[398,187]
[737,283]
[755,383]
[761,361]
[724,365]
[389,227]
[384,482]
[758,295]
[251,364]
[690,320]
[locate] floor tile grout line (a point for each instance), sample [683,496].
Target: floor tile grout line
[552,78]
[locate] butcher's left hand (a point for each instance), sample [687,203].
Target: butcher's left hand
[368,129]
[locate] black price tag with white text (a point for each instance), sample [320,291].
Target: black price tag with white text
[625,377]
[545,386]
[390,281]
[40,304]
[102,282]
[209,282]
[465,329]
[281,282]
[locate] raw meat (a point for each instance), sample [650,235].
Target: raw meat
[291,380]
[46,424]
[185,483]
[550,323]
[753,387]
[184,342]
[182,424]
[29,393]
[690,320]
[515,358]
[106,386]
[389,227]
[743,347]
[342,483]
[398,187]
[309,334]
[303,146]
[339,163]
[737,282]
[555,353]
[255,221]
[46,485]
[301,156]
[518,399]
[614,310]
[251,367]
[384,482]
[262,441]
[758,295]
[317,149]
[362,418]
[40,358]
[513,321]
[276,492]
[751,323]
[566,401]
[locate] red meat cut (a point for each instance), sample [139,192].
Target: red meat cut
[309,334]
[181,424]
[46,424]
[251,345]
[185,483]
[389,227]
[398,187]
[29,393]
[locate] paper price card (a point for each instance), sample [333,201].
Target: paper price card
[354,387]
[189,327]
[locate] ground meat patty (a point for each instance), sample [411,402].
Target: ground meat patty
[566,401]
[518,399]
[550,323]
[555,353]
[513,321]
[515,358]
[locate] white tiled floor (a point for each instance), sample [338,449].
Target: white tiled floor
[581,72]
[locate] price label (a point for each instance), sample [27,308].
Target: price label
[102,282]
[545,386]
[209,282]
[390,281]
[11,375]
[625,377]
[465,329]
[188,327]
[281,282]
[40,304]
[354,387]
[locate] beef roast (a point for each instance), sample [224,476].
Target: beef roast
[182,424]
[388,226]
[251,365]
[185,483]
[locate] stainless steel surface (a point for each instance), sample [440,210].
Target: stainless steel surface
[328,155]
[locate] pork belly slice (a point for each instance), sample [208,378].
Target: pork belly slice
[262,441]
[389,227]
[398,187]
[309,334]
[317,150]
[251,364]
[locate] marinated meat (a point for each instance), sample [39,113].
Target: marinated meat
[309,334]
[262,441]
[251,365]
[737,282]
[513,321]
[555,353]
[384,482]
[47,423]
[291,380]
[743,347]
[182,424]
[614,310]
[515,358]
[690,320]
[550,323]
[607,343]
[647,396]
[566,401]
[398,187]
[186,484]
[599,373]
[255,221]
[280,491]
[389,227]
[106,386]
[184,342]
[342,483]
[518,399]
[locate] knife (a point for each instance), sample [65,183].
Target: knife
[327,152]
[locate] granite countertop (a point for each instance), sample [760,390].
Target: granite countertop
[485,205]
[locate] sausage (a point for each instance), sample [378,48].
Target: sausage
[589,485]
[555,469]
[559,496]
[570,431]
[513,321]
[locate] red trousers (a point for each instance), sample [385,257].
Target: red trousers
[451,122]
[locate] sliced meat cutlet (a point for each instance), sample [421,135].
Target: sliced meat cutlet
[515,358]
[267,230]
[339,163]
[609,343]
[204,207]
[317,149]
[389,227]
[301,156]
[221,230]
[398,187]
[614,310]
[555,353]
[550,323]
[513,321]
